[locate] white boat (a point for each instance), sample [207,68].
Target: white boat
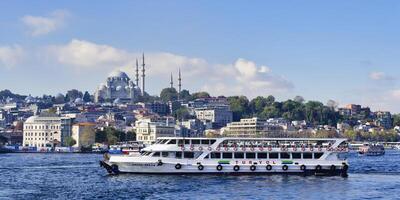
[371,149]
[177,155]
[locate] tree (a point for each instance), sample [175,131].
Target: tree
[185,95]
[181,113]
[169,94]
[332,104]
[86,97]
[270,100]
[130,136]
[69,141]
[198,95]
[396,119]
[239,106]
[72,95]
[258,104]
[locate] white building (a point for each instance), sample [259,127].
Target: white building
[219,116]
[148,130]
[252,127]
[83,134]
[117,88]
[46,130]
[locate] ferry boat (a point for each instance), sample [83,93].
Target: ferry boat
[370,149]
[177,155]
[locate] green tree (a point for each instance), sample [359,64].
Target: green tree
[72,95]
[198,95]
[239,106]
[169,94]
[396,119]
[185,95]
[130,136]
[181,113]
[69,141]
[257,105]
[86,97]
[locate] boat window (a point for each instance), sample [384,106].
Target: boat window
[187,141]
[188,155]
[156,154]
[164,154]
[172,142]
[250,155]
[207,156]
[262,155]
[180,142]
[195,141]
[212,141]
[178,154]
[273,155]
[227,155]
[205,142]
[317,155]
[239,155]
[285,155]
[307,155]
[296,155]
[215,155]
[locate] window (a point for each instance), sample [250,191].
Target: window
[273,155]
[317,155]
[195,141]
[156,154]
[226,155]
[212,141]
[307,155]
[180,142]
[178,154]
[164,154]
[239,155]
[296,155]
[250,155]
[215,155]
[285,155]
[207,156]
[205,142]
[172,142]
[262,155]
[187,141]
[188,155]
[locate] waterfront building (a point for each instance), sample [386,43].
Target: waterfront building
[384,119]
[46,130]
[252,127]
[149,129]
[83,134]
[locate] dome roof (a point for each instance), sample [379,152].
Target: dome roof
[78,101]
[29,98]
[59,95]
[117,74]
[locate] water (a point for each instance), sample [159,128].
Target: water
[78,176]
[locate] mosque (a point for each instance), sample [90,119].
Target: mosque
[119,88]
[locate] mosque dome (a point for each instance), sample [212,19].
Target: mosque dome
[29,99]
[78,101]
[59,95]
[117,74]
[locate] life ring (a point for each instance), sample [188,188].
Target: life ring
[303,167]
[235,148]
[319,148]
[261,148]
[226,148]
[178,166]
[333,168]
[269,167]
[345,167]
[236,168]
[159,163]
[303,149]
[183,148]
[200,148]
[218,148]
[318,168]
[243,148]
[329,149]
[269,148]
[294,149]
[285,167]
[209,148]
[200,167]
[191,148]
[253,168]
[219,167]
[283,148]
[311,148]
[251,148]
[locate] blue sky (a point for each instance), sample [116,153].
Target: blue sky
[347,51]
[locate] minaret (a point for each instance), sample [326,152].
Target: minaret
[143,75]
[179,81]
[137,73]
[171,82]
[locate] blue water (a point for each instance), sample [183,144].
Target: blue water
[78,176]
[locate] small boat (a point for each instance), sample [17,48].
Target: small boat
[177,155]
[371,149]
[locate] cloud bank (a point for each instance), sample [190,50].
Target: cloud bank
[39,25]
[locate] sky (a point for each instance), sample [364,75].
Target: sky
[346,50]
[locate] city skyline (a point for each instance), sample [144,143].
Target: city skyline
[297,48]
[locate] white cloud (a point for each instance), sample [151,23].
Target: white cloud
[395,94]
[39,25]
[377,76]
[11,55]
[242,77]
